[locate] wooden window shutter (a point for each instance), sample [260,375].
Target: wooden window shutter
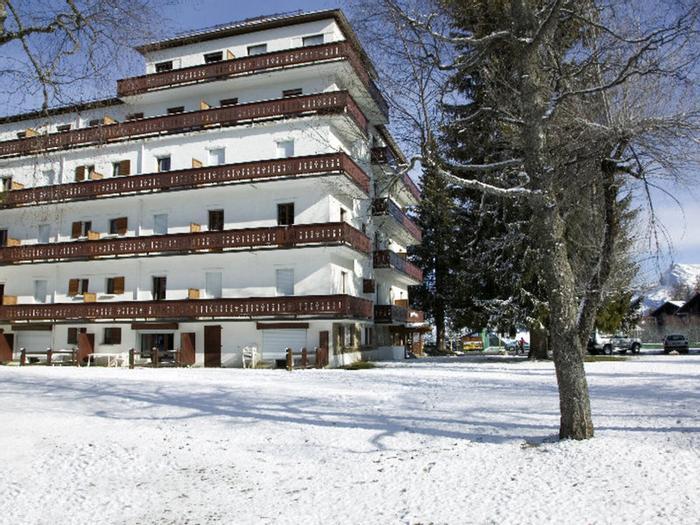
[125,167]
[76,230]
[118,285]
[79,173]
[73,285]
[122,225]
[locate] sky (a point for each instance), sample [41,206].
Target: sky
[682,223]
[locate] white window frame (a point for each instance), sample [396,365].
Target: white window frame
[282,148]
[279,290]
[44,229]
[213,290]
[38,283]
[155,222]
[221,160]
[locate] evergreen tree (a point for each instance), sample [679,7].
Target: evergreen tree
[436,255]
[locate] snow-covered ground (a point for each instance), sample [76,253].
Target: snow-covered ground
[442,441]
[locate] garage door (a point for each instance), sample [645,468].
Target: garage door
[275,342]
[32,340]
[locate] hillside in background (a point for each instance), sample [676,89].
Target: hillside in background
[669,281]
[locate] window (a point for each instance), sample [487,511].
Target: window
[6,183]
[228,101]
[3,237]
[161,67]
[343,214]
[78,287]
[21,134]
[285,149]
[343,282]
[257,49]
[368,336]
[94,122]
[291,92]
[160,224]
[163,163]
[73,335]
[159,284]
[216,220]
[80,229]
[44,233]
[347,337]
[115,285]
[212,285]
[49,176]
[134,116]
[213,57]
[176,109]
[285,282]
[285,214]
[63,127]
[40,290]
[121,168]
[118,226]
[84,172]
[312,40]
[112,336]
[217,157]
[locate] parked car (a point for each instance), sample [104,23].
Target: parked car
[678,342]
[602,344]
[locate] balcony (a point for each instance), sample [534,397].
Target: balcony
[400,224]
[297,236]
[393,314]
[335,102]
[190,178]
[321,306]
[251,65]
[389,259]
[384,157]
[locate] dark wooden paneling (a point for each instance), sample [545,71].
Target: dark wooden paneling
[324,306]
[280,326]
[187,348]
[154,326]
[6,344]
[86,347]
[189,178]
[212,346]
[338,102]
[333,233]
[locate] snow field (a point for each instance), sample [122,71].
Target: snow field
[434,441]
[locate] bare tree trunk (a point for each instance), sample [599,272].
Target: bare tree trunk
[439,308]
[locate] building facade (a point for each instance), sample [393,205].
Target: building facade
[242,193]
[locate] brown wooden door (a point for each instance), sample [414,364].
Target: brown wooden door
[212,346]
[187,348]
[6,344]
[86,346]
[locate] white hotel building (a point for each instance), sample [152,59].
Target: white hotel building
[240,193]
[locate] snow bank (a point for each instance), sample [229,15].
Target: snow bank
[441,441]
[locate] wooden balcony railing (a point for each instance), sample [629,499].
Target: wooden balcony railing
[389,259]
[189,178]
[338,233]
[251,65]
[390,313]
[336,306]
[386,206]
[383,155]
[334,102]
